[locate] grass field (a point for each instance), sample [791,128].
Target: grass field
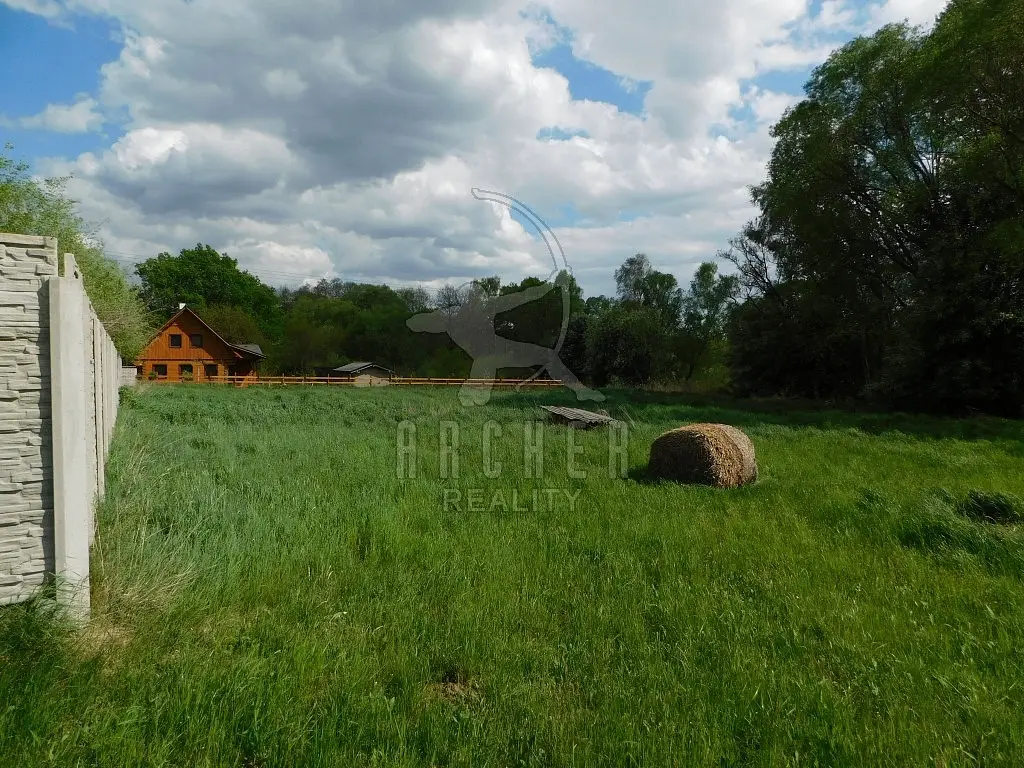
[268,592]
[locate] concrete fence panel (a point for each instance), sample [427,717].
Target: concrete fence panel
[59,380]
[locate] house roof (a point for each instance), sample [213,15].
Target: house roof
[357,367]
[246,350]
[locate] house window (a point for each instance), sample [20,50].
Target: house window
[211,370]
[185,370]
[196,339]
[175,341]
[160,370]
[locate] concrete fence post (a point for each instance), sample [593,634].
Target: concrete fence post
[98,403]
[72,502]
[113,390]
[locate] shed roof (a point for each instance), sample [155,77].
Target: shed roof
[254,348]
[357,367]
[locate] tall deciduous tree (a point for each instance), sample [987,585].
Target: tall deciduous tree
[891,234]
[640,284]
[705,313]
[202,277]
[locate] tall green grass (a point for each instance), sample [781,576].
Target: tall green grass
[267,591]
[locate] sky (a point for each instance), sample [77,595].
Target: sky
[342,138]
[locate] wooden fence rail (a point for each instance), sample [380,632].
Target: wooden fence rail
[334,381]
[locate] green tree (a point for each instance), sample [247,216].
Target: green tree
[639,283]
[541,321]
[489,286]
[627,344]
[705,314]
[312,334]
[32,207]
[202,277]
[416,298]
[891,231]
[352,321]
[234,324]
[636,337]
[597,305]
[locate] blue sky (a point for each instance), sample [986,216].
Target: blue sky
[45,63]
[589,81]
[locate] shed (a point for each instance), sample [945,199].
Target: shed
[363,371]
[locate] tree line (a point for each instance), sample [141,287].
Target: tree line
[652,329]
[886,261]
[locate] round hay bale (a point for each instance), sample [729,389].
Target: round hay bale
[707,454]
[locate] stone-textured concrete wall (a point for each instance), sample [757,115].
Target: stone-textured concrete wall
[59,379]
[26,462]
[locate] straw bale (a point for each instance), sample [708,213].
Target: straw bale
[707,454]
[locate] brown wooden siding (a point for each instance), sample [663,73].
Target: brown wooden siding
[213,352]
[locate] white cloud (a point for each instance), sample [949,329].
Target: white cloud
[273,258]
[147,147]
[769,106]
[79,117]
[196,168]
[49,9]
[836,14]
[326,138]
[921,12]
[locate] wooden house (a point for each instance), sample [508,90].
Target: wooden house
[187,349]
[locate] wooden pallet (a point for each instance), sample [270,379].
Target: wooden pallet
[577,417]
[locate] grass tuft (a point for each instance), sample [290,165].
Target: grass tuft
[992,507]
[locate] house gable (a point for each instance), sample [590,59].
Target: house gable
[187,349]
[187,324]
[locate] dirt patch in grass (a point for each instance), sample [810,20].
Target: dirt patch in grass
[454,693]
[454,687]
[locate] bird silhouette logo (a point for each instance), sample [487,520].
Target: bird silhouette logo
[471,322]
